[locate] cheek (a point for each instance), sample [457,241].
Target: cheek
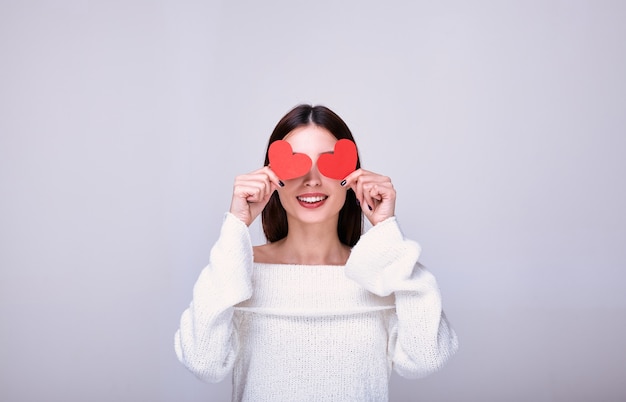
[282,195]
[341,198]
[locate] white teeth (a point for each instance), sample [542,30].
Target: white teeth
[312,199]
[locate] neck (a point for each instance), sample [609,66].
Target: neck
[314,244]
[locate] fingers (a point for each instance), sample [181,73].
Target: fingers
[256,186]
[375,193]
[252,187]
[251,192]
[370,188]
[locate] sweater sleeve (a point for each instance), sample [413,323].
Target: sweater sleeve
[206,342]
[420,338]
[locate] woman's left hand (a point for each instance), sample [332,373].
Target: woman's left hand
[375,194]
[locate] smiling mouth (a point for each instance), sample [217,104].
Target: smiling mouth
[312,200]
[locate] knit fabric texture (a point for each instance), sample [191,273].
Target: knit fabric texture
[315,332]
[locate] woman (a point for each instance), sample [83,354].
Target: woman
[320,312]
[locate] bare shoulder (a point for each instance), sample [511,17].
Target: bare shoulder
[265,253]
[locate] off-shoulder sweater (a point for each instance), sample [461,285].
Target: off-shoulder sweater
[315,332]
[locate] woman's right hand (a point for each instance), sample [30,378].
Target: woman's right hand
[251,192]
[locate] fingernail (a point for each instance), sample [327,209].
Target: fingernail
[280,183]
[358,203]
[368,205]
[343,182]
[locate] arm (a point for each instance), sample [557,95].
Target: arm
[206,342]
[384,262]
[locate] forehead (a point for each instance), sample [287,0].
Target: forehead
[311,139]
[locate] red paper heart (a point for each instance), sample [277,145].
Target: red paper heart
[340,163]
[285,163]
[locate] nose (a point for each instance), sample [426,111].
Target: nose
[313,178]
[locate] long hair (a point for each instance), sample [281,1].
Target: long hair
[274,216]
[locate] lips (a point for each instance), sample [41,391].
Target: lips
[311,200]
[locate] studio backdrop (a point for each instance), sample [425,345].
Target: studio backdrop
[123,124]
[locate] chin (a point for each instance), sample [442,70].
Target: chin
[314,216]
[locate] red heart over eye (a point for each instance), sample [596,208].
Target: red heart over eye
[285,163]
[340,163]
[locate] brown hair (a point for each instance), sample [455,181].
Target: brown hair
[274,217]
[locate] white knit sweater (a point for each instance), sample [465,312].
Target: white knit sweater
[314,332]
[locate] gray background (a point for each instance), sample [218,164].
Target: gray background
[123,124]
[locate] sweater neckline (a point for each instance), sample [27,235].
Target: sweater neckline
[309,290]
[287,265]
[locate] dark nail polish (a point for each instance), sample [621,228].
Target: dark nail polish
[358,203]
[343,183]
[280,183]
[368,205]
